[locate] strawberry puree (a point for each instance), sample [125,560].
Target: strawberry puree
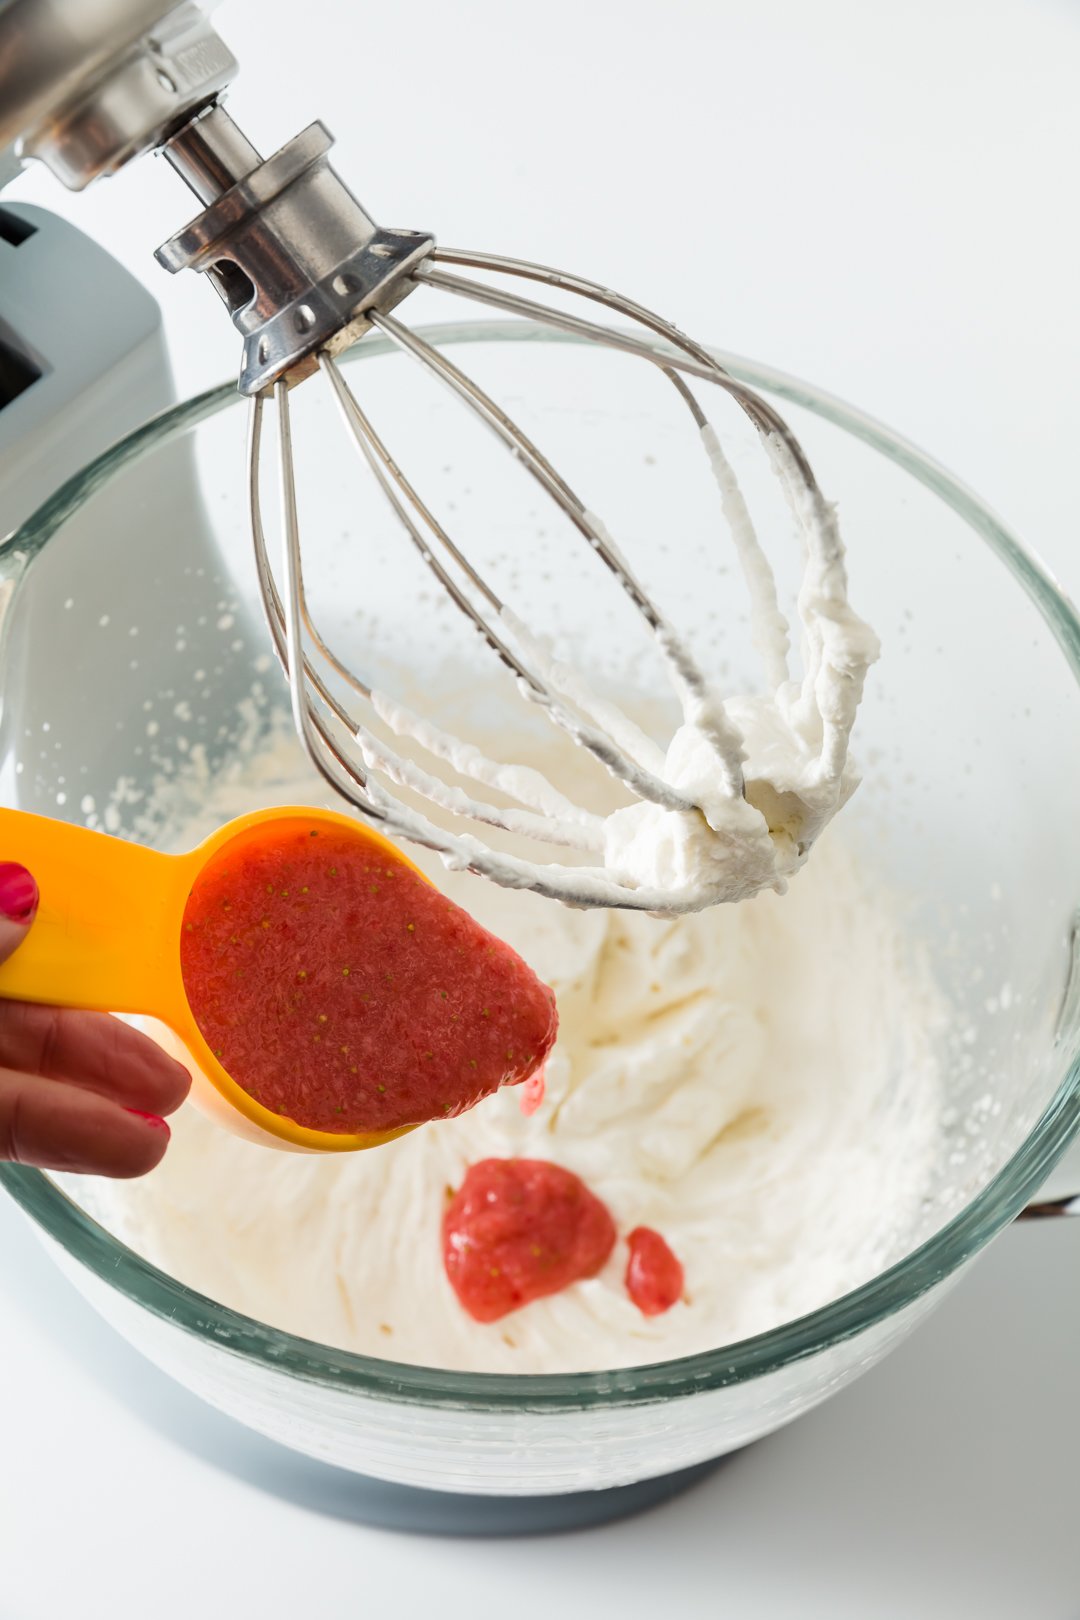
[654,1277]
[531,1094]
[519,1229]
[340,989]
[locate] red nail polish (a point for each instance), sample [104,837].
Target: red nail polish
[154,1120]
[18,893]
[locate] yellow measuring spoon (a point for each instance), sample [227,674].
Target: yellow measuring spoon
[107,937]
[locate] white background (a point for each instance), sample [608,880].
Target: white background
[882,199]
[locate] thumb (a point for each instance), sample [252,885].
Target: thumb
[18,903]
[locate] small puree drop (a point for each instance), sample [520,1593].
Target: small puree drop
[340,989]
[654,1275]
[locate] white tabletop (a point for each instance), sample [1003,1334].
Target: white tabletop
[882,199]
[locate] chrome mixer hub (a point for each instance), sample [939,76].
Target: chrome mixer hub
[292,254]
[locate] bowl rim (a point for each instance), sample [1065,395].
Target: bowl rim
[66,1224]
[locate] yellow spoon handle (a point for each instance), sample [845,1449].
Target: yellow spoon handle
[106,934]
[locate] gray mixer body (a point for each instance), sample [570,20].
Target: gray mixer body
[111,623]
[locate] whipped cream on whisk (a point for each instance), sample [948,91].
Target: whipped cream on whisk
[747,783]
[789,757]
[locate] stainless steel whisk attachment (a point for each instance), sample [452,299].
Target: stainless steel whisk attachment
[305,273]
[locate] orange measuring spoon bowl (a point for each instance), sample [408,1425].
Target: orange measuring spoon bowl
[108,932]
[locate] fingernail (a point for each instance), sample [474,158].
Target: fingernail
[18,893]
[154,1120]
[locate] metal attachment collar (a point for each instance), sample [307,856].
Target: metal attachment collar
[292,254]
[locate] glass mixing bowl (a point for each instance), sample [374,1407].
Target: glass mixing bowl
[132,652]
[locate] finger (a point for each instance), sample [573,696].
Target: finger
[61,1127]
[93,1051]
[18,903]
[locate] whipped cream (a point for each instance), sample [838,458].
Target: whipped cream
[755,1082]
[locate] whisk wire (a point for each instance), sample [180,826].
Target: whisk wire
[345,778]
[687,679]
[623,764]
[568,826]
[692,356]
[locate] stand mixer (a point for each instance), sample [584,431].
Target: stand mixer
[305,273]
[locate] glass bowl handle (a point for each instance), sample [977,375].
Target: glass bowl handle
[1067,1032]
[1042,1209]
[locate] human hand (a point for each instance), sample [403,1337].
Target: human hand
[79,1091]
